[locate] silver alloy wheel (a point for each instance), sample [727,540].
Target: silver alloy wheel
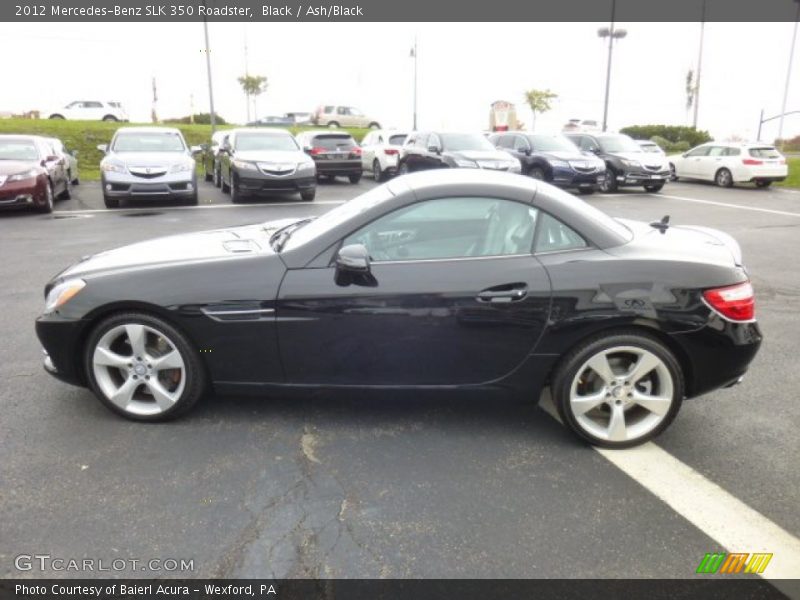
[49,198]
[621,393]
[377,173]
[139,369]
[724,178]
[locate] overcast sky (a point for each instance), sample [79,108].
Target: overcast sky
[463,67]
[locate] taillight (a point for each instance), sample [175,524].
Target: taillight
[390,151]
[316,150]
[735,302]
[752,161]
[356,151]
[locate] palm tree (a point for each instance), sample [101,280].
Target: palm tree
[539,101]
[253,86]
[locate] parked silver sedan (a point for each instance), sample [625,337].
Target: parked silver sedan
[148,162]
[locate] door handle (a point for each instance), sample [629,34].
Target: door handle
[512,292]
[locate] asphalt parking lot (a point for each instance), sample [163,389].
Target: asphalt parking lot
[400,485]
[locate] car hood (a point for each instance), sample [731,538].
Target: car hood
[647,158]
[683,242]
[293,156]
[149,159]
[482,155]
[231,243]
[12,167]
[566,155]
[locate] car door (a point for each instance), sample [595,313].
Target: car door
[454,296]
[712,162]
[691,165]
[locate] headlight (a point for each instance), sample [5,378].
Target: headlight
[306,165]
[243,164]
[182,167]
[559,163]
[62,293]
[631,163]
[29,174]
[113,167]
[463,162]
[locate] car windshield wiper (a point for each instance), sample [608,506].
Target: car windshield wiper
[278,239]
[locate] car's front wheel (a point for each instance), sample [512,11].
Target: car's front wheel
[763,184]
[673,175]
[143,368]
[609,183]
[236,192]
[47,205]
[618,390]
[308,195]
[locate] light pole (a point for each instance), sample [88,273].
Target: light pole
[612,34]
[788,75]
[208,70]
[699,65]
[414,56]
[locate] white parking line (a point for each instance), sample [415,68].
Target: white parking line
[727,205]
[114,211]
[715,512]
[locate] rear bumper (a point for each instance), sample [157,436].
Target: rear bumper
[718,354]
[339,167]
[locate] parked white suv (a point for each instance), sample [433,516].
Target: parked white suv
[380,152]
[332,115]
[726,163]
[90,110]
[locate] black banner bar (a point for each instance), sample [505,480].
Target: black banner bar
[706,587]
[397,10]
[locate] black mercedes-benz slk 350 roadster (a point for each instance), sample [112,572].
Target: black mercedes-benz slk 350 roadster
[436,280]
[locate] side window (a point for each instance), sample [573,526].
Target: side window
[328,109]
[732,151]
[716,151]
[504,141]
[93,105]
[450,228]
[422,140]
[554,236]
[589,144]
[342,110]
[434,140]
[520,144]
[701,151]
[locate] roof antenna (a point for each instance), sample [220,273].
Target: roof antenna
[661,225]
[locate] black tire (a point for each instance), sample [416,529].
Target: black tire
[538,173]
[654,187]
[47,207]
[672,175]
[572,362]
[217,177]
[354,178]
[609,185]
[195,373]
[226,189]
[74,180]
[236,193]
[333,125]
[60,117]
[206,175]
[377,173]
[110,202]
[110,119]
[404,170]
[67,193]
[763,184]
[308,195]
[374,125]
[191,200]
[723,178]
[585,191]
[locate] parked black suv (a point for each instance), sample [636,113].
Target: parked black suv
[552,158]
[335,153]
[626,163]
[433,150]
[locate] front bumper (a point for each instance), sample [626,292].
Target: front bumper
[643,177]
[21,194]
[61,341]
[567,177]
[118,185]
[256,182]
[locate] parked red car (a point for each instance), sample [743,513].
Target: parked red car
[31,173]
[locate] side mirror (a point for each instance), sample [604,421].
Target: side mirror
[353,267]
[195,150]
[435,149]
[685,154]
[594,150]
[103,148]
[526,151]
[52,158]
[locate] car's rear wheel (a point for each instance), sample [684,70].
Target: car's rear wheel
[354,178]
[143,368]
[672,174]
[618,390]
[333,125]
[224,186]
[206,175]
[723,178]
[538,173]
[374,125]
[404,170]
[609,183]
[74,179]
[66,193]
[110,118]
[217,177]
[377,172]
[57,117]
[763,184]
[654,187]
[308,195]
[47,206]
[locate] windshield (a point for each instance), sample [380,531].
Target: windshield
[618,143]
[651,148]
[397,140]
[460,142]
[167,141]
[766,152]
[552,143]
[261,141]
[18,150]
[337,216]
